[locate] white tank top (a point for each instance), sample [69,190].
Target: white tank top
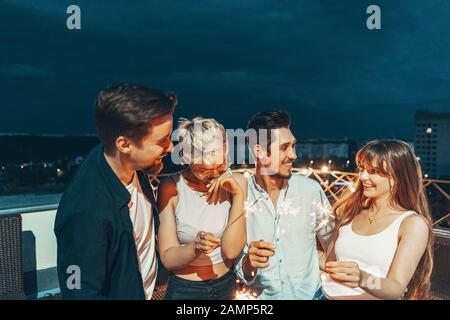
[374,254]
[193,214]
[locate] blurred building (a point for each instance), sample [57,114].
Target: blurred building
[2,180]
[432,143]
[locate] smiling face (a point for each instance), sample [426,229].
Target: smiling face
[212,166]
[281,156]
[376,181]
[147,154]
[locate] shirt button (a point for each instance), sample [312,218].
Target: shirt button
[281,260]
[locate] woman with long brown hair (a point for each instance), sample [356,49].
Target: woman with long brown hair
[384,242]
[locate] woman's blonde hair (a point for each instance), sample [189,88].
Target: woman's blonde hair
[200,138]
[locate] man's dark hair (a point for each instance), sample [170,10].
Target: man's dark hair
[126,109]
[268,120]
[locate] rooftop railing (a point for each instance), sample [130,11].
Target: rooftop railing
[38,254]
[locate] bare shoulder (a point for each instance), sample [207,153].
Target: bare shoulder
[167,184]
[415,225]
[167,192]
[240,178]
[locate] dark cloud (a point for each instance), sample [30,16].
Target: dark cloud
[228,59]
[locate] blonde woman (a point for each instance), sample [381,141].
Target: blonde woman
[384,244]
[202,223]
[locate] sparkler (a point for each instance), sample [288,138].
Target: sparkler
[245,293]
[323,214]
[286,208]
[250,206]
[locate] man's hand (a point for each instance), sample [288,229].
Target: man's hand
[259,253]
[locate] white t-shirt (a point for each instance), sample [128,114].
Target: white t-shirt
[141,215]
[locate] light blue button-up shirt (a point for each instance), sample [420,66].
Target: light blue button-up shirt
[301,213]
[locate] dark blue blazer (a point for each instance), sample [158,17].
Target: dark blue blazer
[94,233]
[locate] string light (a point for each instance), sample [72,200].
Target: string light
[303,171]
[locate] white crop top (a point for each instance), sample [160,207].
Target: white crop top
[193,214]
[374,254]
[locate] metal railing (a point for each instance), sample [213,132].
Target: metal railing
[30,209]
[333,184]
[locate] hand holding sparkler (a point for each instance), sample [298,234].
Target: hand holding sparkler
[258,257]
[205,242]
[344,272]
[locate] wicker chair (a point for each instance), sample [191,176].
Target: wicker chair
[11,277]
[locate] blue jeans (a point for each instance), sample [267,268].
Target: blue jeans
[215,289]
[319,295]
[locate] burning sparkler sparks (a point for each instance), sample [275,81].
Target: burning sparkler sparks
[251,206]
[288,209]
[245,294]
[324,216]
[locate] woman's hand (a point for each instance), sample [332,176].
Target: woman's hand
[205,242]
[225,181]
[344,272]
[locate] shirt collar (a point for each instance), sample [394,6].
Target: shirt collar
[261,189]
[256,185]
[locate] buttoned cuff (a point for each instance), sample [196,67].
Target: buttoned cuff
[240,271]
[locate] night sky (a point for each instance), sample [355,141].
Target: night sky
[228,59]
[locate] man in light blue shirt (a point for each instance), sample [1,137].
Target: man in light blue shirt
[285,214]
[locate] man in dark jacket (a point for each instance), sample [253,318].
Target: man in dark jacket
[106,221]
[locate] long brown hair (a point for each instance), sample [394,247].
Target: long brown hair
[396,159]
